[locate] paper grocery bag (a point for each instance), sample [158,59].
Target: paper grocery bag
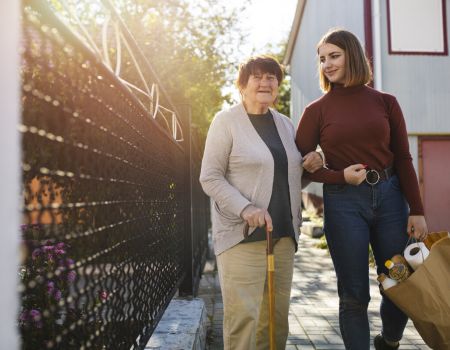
[425,296]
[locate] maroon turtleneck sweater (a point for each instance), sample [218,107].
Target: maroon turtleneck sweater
[359,125]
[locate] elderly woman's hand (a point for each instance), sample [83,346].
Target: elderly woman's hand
[257,217]
[312,162]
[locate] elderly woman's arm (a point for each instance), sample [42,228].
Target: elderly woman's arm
[312,162]
[214,166]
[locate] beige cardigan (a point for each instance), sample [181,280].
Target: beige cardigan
[238,169]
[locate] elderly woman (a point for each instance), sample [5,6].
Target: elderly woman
[252,170]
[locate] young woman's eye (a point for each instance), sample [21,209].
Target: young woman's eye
[335,56]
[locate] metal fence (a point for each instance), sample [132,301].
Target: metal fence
[114,220]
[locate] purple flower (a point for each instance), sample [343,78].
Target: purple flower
[71,275]
[60,245]
[36,253]
[50,287]
[50,258]
[57,295]
[35,315]
[60,251]
[69,262]
[23,316]
[103,295]
[48,248]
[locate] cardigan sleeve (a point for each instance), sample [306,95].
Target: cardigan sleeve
[218,146]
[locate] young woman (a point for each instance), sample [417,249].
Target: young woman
[252,170]
[369,181]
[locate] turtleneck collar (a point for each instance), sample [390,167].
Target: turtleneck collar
[339,89]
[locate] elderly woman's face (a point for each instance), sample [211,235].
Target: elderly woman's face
[262,88]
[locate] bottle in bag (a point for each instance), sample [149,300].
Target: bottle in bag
[398,268]
[386,281]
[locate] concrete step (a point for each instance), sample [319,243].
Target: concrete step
[182,327]
[312,229]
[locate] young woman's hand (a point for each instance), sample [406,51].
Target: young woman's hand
[417,227]
[257,217]
[355,174]
[312,162]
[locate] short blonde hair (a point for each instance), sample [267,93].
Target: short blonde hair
[357,65]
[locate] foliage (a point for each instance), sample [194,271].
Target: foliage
[284,97]
[186,43]
[283,104]
[322,243]
[191,46]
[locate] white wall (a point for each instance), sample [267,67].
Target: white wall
[9,150]
[421,83]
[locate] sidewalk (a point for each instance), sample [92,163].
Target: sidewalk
[313,316]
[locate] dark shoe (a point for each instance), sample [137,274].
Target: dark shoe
[380,344]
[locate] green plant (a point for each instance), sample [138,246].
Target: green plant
[322,244]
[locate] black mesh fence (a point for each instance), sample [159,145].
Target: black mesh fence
[107,202]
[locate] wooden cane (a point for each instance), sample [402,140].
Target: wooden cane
[271,287]
[270,284]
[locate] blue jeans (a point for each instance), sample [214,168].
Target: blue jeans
[354,217]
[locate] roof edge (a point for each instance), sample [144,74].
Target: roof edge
[294,31]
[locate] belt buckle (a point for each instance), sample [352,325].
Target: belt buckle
[372,177]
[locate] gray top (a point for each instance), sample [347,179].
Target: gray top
[238,170]
[280,203]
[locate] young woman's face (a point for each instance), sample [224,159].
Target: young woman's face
[332,63]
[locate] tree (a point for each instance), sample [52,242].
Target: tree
[190,44]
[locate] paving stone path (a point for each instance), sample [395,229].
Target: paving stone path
[313,316]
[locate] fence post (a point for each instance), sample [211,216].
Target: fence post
[10,155]
[187,285]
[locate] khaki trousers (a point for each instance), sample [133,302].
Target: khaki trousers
[242,275]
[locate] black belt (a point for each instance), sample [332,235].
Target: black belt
[374,176]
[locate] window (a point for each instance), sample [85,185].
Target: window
[417,27]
